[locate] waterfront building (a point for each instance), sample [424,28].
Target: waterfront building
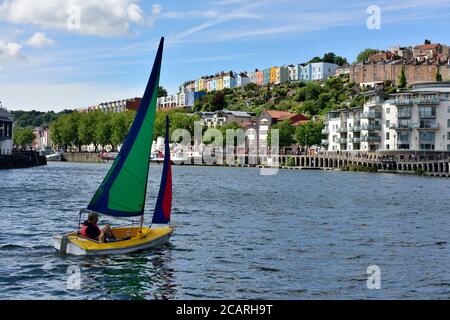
[196,86]
[224,117]
[415,120]
[271,117]
[6,131]
[252,76]
[242,80]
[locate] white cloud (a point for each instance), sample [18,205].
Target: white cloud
[39,40]
[97,17]
[10,50]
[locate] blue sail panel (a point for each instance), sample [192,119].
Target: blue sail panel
[163,206]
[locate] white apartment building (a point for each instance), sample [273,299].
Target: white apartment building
[415,120]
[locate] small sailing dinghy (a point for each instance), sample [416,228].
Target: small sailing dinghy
[123,190]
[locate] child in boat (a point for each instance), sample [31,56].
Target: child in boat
[91,230]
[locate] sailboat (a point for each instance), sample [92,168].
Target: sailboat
[124,188]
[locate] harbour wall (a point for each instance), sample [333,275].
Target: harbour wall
[374,163]
[20,160]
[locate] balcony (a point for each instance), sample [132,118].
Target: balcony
[426,114]
[404,113]
[371,127]
[426,125]
[342,130]
[325,142]
[342,140]
[354,129]
[429,100]
[401,102]
[371,139]
[355,140]
[325,131]
[401,126]
[371,115]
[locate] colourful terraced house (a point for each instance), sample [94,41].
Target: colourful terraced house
[260,78]
[229,81]
[219,83]
[201,84]
[273,74]
[266,77]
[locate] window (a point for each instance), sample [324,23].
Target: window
[448,135]
[448,109]
[448,123]
[388,123]
[387,147]
[387,136]
[388,110]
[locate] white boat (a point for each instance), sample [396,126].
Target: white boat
[57,156]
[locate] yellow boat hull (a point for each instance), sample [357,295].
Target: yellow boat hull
[136,240]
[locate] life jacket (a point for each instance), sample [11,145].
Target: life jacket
[84,227]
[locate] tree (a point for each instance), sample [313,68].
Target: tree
[329,57]
[103,130]
[402,79]
[286,133]
[23,137]
[364,55]
[86,128]
[315,59]
[309,134]
[162,92]
[119,128]
[340,61]
[427,41]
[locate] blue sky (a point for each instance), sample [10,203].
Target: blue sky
[46,65]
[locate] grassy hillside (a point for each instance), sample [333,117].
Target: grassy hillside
[310,98]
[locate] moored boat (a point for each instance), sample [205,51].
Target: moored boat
[123,190]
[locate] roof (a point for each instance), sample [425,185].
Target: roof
[236,113]
[286,115]
[427,46]
[280,115]
[300,122]
[5,115]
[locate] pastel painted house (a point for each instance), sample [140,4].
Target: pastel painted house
[229,81]
[208,85]
[317,71]
[273,75]
[293,72]
[213,85]
[242,80]
[266,76]
[259,78]
[252,76]
[201,84]
[282,75]
[219,83]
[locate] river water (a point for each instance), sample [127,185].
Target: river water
[294,235]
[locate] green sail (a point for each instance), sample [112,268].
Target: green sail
[123,191]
